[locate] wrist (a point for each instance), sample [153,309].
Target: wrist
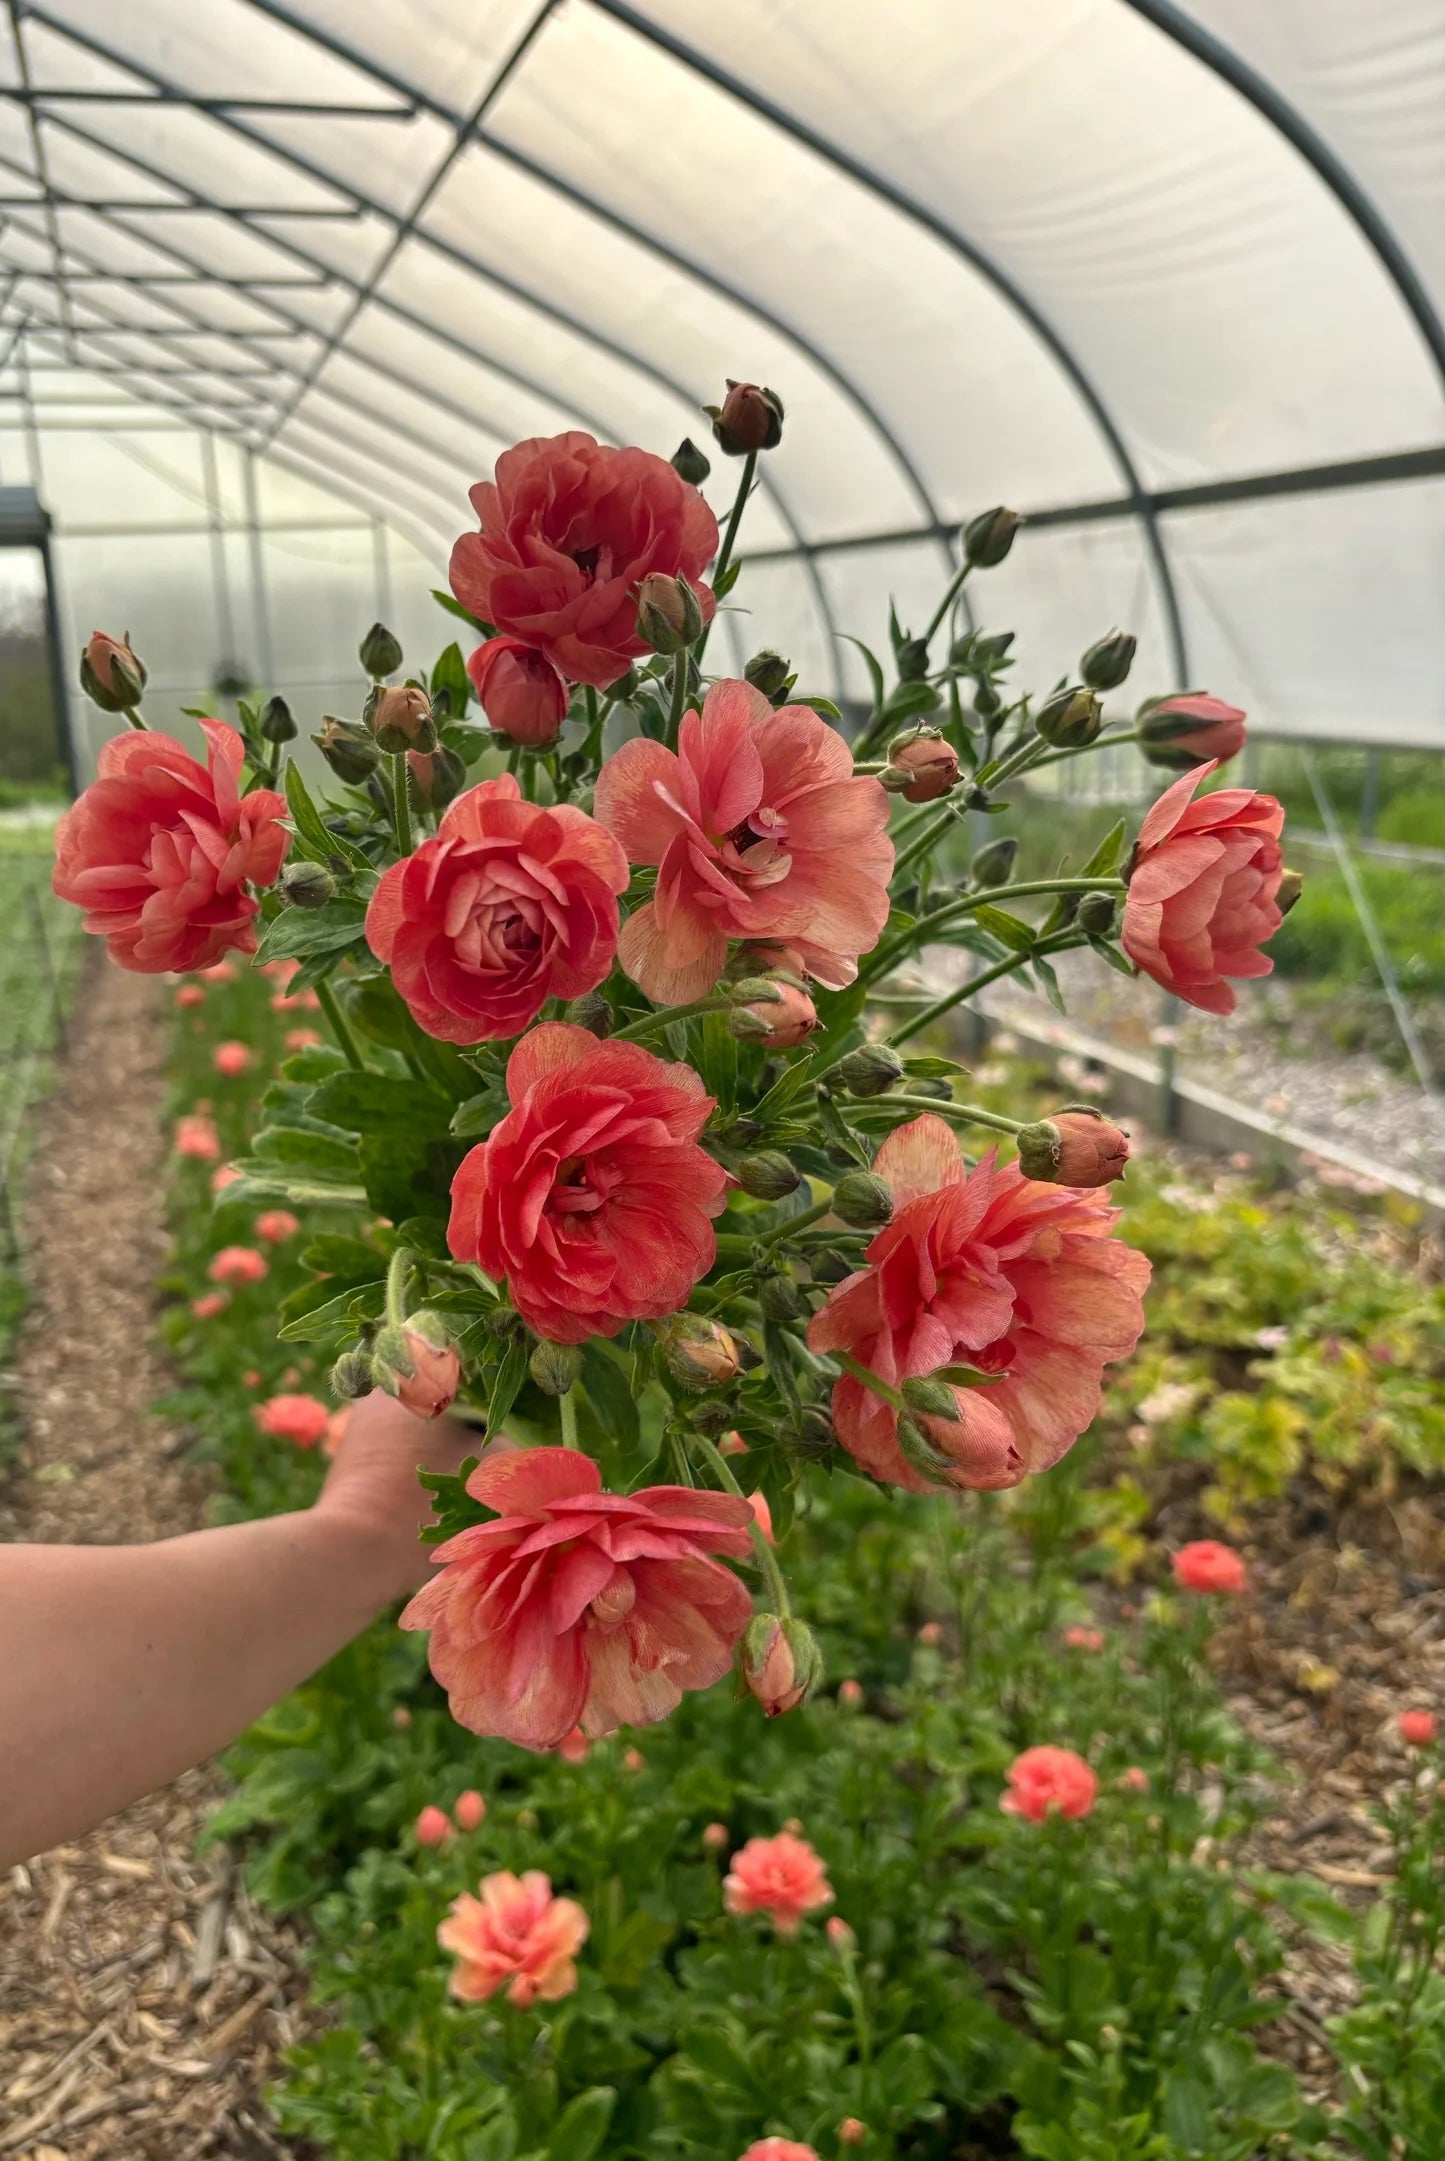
[363,1556]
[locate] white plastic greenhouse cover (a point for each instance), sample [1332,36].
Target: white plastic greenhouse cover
[1171,282]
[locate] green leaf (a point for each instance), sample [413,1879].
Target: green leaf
[452,1505]
[723,586]
[875,670]
[824,707]
[454,607]
[1119,962]
[580,2129]
[314,839]
[450,675]
[479,1113]
[715,2051]
[907,701]
[923,1067]
[783,1090]
[468,742]
[1186,2112]
[1107,854]
[381,1103]
[606,1388]
[717,1060]
[261,1183]
[323,1158]
[335,1315]
[1050,982]
[300,933]
[1018,936]
[507,1386]
[407,1174]
[349,1260]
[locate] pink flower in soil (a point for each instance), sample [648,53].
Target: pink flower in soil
[1134,1780]
[1207,1565]
[714,1837]
[852,2131]
[470,1810]
[276,1225]
[302,1419]
[196,1136]
[992,1270]
[221,971]
[779,2149]
[931,1634]
[301,1001]
[226,1175]
[161,852]
[1418,1728]
[237,1264]
[336,1430]
[280,971]
[433,1826]
[190,994]
[759,829]
[850,1694]
[840,1934]
[231,1060]
[1202,894]
[517,1936]
[782,1877]
[1044,1780]
[576,1607]
[209,1304]
[633,1761]
[574,1747]
[301,1039]
[1083,1639]
[591,1197]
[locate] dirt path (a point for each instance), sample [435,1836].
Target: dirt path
[142,1999]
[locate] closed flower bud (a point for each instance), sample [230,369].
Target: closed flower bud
[840,1936]
[852,2131]
[768,1175]
[435,776]
[110,674]
[1097,914]
[277,722]
[401,719]
[930,763]
[912,660]
[351,1374]
[994,861]
[416,1361]
[782,1664]
[830,1267]
[1108,662]
[932,1085]
[782,1019]
[1183,731]
[933,1398]
[669,614]
[871,1070]
[749,418]
[781,1299]
[433,1827]
[988,537]
[519,690]
[592,1012]
[921,1455]
[690,463]
[863,1200]
[986,701]
[770,673]
[1076,1147]
[555,1367]
[699,1353]
[1291,885]
[306,885]
[470,1810]
[380,653]
[1071,718]
[348,749]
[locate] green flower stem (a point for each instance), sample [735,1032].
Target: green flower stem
[339,1025]
[964,1113]
[796,1223]
[652,1023]
[955,587]
[767,1559]
[1100,742]
[133,718]
[735,519]
[398,1285]
[401,802]
[1061,942]
[872,1381]
[679,697]
[1023,755]
[567,1411]
[887,956]
[932,833]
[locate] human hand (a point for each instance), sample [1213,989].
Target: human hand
[371,1490]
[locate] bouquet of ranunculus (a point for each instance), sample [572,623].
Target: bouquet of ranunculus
[608,1145]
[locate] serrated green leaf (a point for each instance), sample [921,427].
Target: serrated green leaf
[334,1315]
[314,839]
[301,933]
[325,1157]
[381,1103]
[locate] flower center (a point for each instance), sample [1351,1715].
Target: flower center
[758,846]
[573,1193]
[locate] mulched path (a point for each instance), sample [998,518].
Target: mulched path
[143,1999]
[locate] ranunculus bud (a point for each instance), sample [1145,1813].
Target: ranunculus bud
[1291,885]
[749,418]
[863,1200]
[1071,718]
[277,722]
[433,1827]
[1097,914]
[840,1936]
[911,660]
[306,885]
[930,762]
[690,463]
[714,1837]
[1108,662]
[782,1664]
[380,653]
[994,861]
[781,1299]
[592,1012]
[351,1375]
[768,1175]
[417,1363]
[519,690]
[932,1398]
[871,1070]
[555,1367]
[348,749]
[436,776]
[826,1267]
[699,1353]
[782,1020]
[669,614]
[1183,731]
[852,2131]
[110,674]
[988,537]
[770,673]
[1075,1147]
[469,1810]
[920,1454]
[401,719]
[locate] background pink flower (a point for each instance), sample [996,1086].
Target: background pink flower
[782,1877]
[237,1264]
[1206,1564]
[517,1936]
[779,2149]
[302,1419]
[1418,1728]
[759,829]
[276,1225]
[1202,892]
[196,1136]
[1044,1780]
[577,1607]
[231,1059]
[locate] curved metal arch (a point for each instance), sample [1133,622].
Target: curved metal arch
[1276,108]
[968,251]
[636,362]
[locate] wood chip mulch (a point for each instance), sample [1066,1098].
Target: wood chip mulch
[143,1999]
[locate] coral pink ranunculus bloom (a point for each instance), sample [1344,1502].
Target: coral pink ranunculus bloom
[301,1039]
[1202,892]
[302,1419]
[231,1060]
[518,689]
[209,1304]
[516,1936]
[782,1877]
[190,994]
[760,829]
[433,1827]
[237,1264]
[574,1747]
[779,2149]
[992,1270]
[1134,1780]
[1418,1728]
[591,1197]
[569,529]
[1044,1780]
[276,1225]
[510,905]
[577,1607]
[336,1426]
[470,1810]
[1206,1564]
[196,1136]
[226,1175]
[161,852]
[1084,1639]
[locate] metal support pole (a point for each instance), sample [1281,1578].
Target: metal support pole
[260,608]
[59,688]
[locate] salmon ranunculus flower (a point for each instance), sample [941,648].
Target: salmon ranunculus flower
[433,1827]
[570,529]
[1206,1564]
[783,2149]
[196,1136]
[237,1264]
[209,1304]
[1418,1728]
[231,1060]
[591,1197]
[276,1225]
[161,852]
[782,1877]
[760,829]
[302,1419]
[1046,1780]
[1203,891]
[510,905]
[577,1607]
[516,1936]
[991,1270]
